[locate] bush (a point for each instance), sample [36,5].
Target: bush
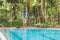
[39,25]
[17,23]
[47,25]
[6,24]
[14,24]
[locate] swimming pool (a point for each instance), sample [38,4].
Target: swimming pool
[34,34]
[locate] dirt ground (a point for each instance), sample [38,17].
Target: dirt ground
[57,26]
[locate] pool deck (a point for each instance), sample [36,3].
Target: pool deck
[4,28]
[4,36]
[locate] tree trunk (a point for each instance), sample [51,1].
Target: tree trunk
[42,16]
[28,11]
[58,10]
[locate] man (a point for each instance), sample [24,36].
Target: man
[24,18]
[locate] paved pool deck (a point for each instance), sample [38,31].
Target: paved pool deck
[4,28]
[3,35]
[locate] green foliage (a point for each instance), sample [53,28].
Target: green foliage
[12,1]
[35,8]
[14,24]
[51,2]
[1,2]
[47,25]
[7,24]
[17,23]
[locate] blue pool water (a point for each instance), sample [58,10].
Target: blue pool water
[34,34]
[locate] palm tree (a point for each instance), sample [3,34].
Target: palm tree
[43,11]
[58,9]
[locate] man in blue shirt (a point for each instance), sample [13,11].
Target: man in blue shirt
[24,19]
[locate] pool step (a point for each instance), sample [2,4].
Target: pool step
[5,35]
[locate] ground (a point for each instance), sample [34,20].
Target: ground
[57,26]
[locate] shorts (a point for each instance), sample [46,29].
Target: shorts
[24,21]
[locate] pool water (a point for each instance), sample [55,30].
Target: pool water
[34,34]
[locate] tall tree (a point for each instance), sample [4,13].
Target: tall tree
[58,9]
[43,13]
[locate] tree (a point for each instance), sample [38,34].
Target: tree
[43,11]
[58,10]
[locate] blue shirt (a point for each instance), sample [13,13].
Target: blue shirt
[25,16]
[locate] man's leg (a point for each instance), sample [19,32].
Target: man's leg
[24,24]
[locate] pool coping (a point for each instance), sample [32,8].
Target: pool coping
[11,28]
